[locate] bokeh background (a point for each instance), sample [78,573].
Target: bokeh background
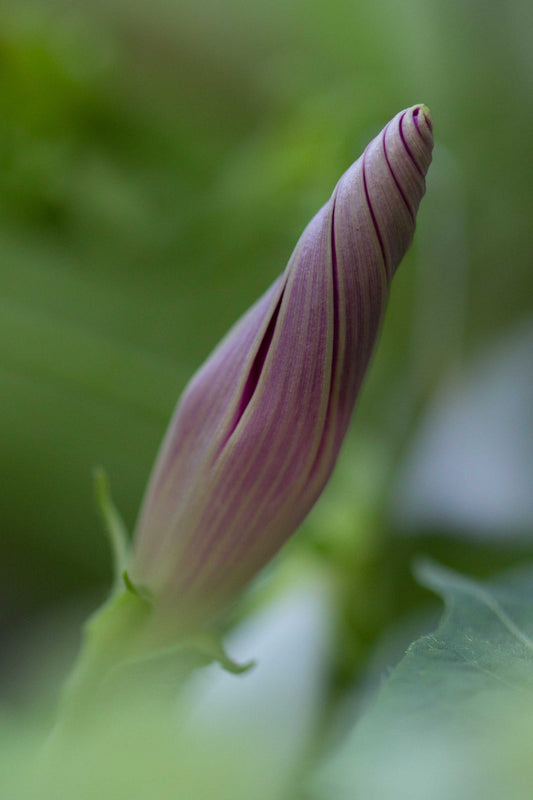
[158,162]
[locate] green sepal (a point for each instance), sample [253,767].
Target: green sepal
[195,650]
[111,639]
[123,657]
[209,644]
[126,645]
[113,524]
[140,591]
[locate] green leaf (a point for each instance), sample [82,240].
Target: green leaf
[455,718]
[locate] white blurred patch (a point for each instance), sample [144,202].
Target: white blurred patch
[470,466]
[268,717]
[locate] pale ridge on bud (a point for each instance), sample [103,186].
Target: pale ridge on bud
[257,431]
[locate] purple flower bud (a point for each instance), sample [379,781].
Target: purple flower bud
[258,429]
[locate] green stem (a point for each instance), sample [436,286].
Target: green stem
[110,637]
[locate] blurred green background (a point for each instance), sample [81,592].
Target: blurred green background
[158,162]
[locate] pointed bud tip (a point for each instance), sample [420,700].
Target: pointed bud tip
[420,108]
[423,121]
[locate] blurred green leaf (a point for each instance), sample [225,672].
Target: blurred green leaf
[451,719]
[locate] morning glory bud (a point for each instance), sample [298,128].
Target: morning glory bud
[258,429]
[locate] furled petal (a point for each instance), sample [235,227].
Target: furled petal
[257,431]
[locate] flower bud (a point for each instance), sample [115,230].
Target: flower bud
[258,429]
